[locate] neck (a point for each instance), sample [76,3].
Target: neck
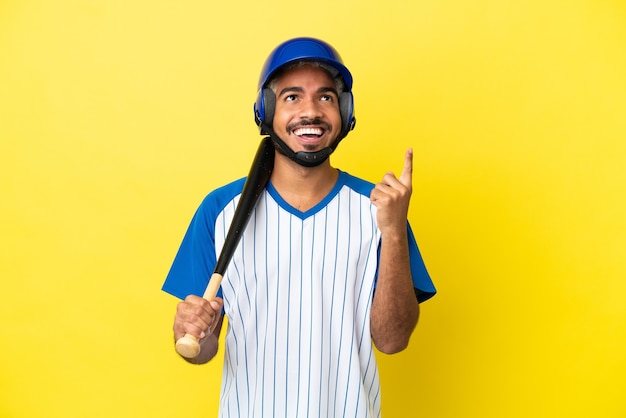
[302,187]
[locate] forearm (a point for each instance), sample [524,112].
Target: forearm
[395,310]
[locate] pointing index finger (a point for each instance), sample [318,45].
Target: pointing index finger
[406,177]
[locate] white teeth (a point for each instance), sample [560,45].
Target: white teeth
[308,131]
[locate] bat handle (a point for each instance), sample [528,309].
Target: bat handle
[188,346]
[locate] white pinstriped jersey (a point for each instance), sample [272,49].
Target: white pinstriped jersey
[297,295]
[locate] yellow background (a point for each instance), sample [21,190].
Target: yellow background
[117,116]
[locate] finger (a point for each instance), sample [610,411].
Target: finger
[198,315]
[406,177]
[380,194]
[216,313]
[195,300]
[180,329]
[216,304]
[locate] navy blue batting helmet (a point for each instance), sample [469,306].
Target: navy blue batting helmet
[303,49]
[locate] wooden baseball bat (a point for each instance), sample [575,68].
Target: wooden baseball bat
[260,171]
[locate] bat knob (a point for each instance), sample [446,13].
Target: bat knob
[188,346]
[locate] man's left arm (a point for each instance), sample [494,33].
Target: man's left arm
[395,309]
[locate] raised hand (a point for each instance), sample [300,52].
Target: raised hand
[392,195]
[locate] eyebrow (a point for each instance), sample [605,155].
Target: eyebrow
[300,90]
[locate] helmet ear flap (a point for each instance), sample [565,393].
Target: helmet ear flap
[264,109]
[346,109]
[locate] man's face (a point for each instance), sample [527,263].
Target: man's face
[307,114]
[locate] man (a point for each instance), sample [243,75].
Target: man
[326,266]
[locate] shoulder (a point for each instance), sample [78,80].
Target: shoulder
[357,184]
[218,199]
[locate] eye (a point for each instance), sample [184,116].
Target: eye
[327,98]
[291,97]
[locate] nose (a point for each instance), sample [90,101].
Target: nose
[310,109]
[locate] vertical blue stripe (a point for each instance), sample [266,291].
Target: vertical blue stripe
[299,358]
[288,321]
[324,252]
[267,303]
[308,401]
[332,304]
[276,321]
[343,305]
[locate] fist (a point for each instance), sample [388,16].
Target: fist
[197,316]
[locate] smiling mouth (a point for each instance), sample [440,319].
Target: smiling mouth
[308,132]
[309,129]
